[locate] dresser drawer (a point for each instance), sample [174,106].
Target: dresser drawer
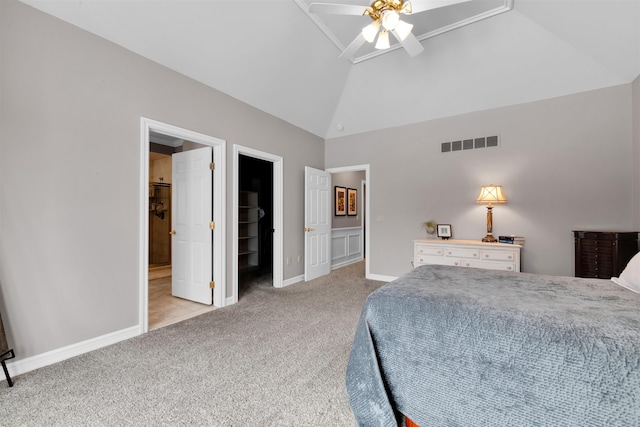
[462,253]
[426,259]
[502,266]
[491,255]
[429,250]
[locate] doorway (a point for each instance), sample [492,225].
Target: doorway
[255,223]
[365,186]
[165,305]
[273,244]
[170,138]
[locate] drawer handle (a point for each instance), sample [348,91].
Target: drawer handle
[486,255]
[510,257]
[439,252]
[455,263]
[509,267]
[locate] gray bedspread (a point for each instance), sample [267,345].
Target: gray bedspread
[451,346]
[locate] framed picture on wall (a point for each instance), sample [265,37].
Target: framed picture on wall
[352,202]
[340,201]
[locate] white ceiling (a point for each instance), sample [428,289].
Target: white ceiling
[273,56]
[341,29]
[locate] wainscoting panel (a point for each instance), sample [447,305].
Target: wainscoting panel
[346,246]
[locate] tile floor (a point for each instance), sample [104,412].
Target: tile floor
[165,309]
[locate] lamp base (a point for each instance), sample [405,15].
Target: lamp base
[489,238]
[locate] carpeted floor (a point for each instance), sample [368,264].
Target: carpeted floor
[277,358]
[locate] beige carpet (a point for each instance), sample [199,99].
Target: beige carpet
[278,357]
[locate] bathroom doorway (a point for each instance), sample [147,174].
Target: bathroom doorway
[164,145]
[164,307]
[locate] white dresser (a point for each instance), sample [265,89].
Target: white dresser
[467,253]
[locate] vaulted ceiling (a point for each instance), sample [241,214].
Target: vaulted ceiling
[274,56]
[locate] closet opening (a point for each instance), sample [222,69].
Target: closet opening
[255,223]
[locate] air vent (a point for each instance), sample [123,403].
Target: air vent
[470,144]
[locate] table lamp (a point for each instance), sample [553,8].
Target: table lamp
[489,195]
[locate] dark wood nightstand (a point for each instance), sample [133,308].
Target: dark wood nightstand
[603,254]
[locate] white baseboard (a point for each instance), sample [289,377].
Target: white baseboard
[293,280]
[381,278]
[54,356]
[344,264]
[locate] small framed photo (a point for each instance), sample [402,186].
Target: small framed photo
[352,202]
[444,231]
[340,201]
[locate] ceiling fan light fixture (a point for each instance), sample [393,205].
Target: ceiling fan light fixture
[390,19]
[406,8]
[383,40]
[370,31]
[403,30]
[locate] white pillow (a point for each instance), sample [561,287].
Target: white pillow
[630,277]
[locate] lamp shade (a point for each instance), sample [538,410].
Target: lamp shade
[490,194]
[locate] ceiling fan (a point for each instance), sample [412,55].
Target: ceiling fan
[386,19]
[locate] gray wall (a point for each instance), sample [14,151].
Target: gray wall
[564,164]
[69,174]
[348,180]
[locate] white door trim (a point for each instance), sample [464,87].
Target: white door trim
[367,216]
[278,234]
[219,214]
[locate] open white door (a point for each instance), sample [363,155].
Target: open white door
[191,251]
[317,223]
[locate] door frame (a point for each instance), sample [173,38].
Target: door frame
[278,234]
[367,207]
[219,203]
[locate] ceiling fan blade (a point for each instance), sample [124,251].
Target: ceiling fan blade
[418,6]
[411,44]
[353,47]
[336,9]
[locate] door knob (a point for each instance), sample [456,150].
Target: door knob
[172,232]
[308,229]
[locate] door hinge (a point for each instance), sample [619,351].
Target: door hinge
[212,284]
[212,225]
[212,165]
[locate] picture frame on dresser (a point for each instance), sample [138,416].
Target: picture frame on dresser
[444,231]
[340,201]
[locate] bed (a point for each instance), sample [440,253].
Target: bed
[451,346]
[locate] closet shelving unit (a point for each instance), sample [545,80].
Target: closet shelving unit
[248,231]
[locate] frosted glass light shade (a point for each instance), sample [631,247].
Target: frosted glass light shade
[383,40]
[403,30]
[390,19]
[369,32]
